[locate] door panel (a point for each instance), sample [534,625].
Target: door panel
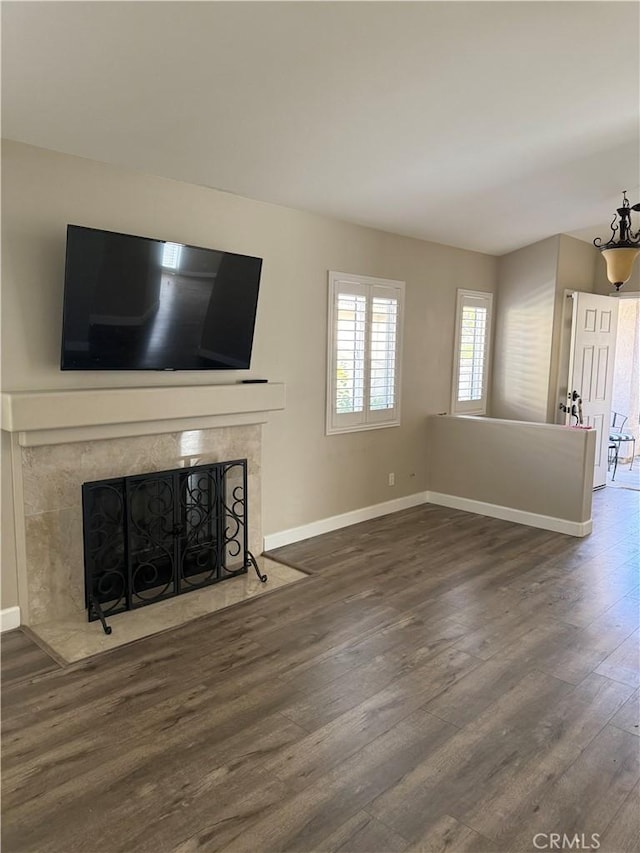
[593,341]
[602,373]
[597,422]
[586,373]
[605,321]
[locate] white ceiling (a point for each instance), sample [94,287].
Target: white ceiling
[485,125]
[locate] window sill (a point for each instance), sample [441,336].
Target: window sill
[361,427]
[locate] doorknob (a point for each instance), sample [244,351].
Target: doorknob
[575,406]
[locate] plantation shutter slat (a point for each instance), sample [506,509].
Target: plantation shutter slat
[350,346]
[384,317]
[472,353]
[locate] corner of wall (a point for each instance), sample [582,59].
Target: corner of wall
[522,360]
[8,559]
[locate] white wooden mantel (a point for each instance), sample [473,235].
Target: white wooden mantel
[57,417]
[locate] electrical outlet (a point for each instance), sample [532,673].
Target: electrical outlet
[392,479]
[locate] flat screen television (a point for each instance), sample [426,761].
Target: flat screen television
[132,303]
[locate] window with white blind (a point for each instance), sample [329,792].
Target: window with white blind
[471,354]
[365,326]
[171,255]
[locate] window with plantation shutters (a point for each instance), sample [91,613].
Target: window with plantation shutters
[171,255]
[363,384]
[471,355]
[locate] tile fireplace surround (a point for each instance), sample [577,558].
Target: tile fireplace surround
[60,440]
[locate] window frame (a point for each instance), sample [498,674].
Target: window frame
[369,287]
[464,298]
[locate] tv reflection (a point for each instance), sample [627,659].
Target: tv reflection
[189,313]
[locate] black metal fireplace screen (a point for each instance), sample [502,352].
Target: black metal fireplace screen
[153,536]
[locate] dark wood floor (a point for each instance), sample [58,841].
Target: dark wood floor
[442,682]
[21,658]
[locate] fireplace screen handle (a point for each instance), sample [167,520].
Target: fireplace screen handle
[94,604]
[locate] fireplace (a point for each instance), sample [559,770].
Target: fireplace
[149,537]
[59,440]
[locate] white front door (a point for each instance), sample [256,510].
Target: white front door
[593,345]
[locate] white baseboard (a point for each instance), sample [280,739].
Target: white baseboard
[506,513]
[9,619]
[335,522]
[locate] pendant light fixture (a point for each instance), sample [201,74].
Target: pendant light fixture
[623,248]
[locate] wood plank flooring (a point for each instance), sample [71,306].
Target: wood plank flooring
[21,658]
[442,682]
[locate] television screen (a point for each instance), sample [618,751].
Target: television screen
[132,303]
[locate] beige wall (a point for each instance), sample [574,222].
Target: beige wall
[8,576]
[537,468]
[524,332]
[307,476]
[532,338]
[577,262]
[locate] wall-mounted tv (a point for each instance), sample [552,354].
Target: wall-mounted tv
[132,303]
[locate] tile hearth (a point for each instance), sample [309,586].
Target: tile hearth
[72,638]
